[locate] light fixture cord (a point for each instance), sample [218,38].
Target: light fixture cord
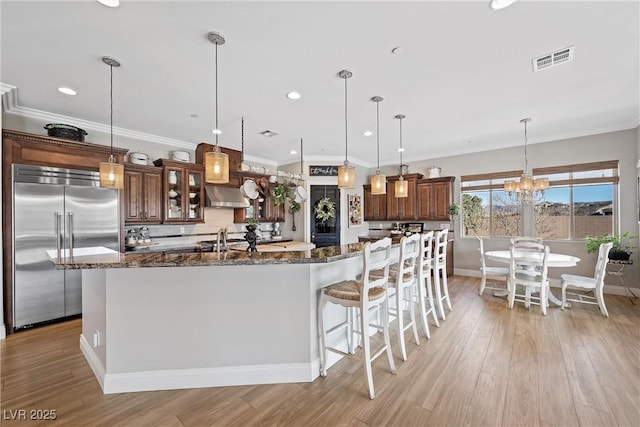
[111,107]
[301,146]
[401,174]
[526,161]
[216,62]
[378,131]
[241,137]
[346,139]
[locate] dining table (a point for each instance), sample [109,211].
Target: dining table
[534,259]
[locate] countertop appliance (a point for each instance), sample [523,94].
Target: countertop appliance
[59,210]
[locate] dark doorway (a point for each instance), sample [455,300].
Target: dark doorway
[325,233]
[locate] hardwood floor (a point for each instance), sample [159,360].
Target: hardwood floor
[485,366]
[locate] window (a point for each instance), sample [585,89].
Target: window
[487,210]
[581,200]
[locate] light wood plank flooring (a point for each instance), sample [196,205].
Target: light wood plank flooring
[485,366]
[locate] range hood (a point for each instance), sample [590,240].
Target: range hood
[225,197]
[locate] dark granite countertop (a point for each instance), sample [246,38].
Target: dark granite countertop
[173,259]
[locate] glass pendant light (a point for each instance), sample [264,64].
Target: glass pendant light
[401,186]
[346,172]
[216,163]
[111,172]
[378,181]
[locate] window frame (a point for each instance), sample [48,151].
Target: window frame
[528,209]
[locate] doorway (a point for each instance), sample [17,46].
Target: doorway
[325,232]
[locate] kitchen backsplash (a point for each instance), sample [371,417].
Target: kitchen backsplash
[214,219]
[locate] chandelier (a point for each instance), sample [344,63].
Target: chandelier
[526,189]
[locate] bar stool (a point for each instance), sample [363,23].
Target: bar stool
[440,271]
[365,294]
[403,281]
[425,285]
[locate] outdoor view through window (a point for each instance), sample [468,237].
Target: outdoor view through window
[580,201]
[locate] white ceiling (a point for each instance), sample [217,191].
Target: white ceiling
[464,78]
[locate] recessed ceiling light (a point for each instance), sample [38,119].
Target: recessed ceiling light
[293,95]
[397,50]
[216,132]
[367,133]
[500,4]
[293,152]
[400,150]
[110,3]
[67,91]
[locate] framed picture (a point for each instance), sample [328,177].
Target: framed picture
[355,210]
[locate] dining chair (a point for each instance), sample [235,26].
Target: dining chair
[440,271]
[366,294]
[404,283]
[521,239]
[490,272]
[594,284]
[529,270]
[425,284]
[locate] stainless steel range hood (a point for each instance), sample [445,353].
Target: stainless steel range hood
[225,197]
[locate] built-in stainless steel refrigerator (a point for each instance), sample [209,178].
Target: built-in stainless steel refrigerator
[60,211]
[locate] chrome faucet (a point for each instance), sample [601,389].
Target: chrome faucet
[221,240]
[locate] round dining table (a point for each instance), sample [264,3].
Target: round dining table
[534,259]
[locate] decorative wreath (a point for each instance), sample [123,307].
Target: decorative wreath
[325,209]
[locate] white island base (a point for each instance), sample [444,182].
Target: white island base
[161,328]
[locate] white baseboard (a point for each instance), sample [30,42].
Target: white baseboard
[206,377]
[555,283]
[93,361]
[3,332]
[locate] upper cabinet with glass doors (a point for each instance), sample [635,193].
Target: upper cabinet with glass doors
[182,188]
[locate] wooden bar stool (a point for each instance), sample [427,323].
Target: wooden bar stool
[425,285]
[366,294]
[440,271]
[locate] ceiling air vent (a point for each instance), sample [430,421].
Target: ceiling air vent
[269,133]
[553,59]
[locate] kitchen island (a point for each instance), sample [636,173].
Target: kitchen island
[154,321]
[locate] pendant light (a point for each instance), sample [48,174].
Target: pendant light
[346,172]
[216,163]
[526,189]
[378,181]
[401,186]
[111,173]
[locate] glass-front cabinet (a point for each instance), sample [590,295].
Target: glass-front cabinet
[182,191]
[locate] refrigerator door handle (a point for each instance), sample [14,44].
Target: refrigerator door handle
[58,219]
[70,228]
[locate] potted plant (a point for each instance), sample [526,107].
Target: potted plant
[252,224]
[621,249]
[454,209]
[279,194]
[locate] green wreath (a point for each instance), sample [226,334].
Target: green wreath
[325,209]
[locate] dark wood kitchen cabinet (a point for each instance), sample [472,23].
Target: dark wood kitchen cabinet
[375,206]
[434,197]
[182,192]
[262,208]
[402,208]
[142,194]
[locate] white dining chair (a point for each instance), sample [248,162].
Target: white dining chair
[491,272]
[530,271]
[425,284]
[440,271]
[594,284]
[525,239]
[366,294]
